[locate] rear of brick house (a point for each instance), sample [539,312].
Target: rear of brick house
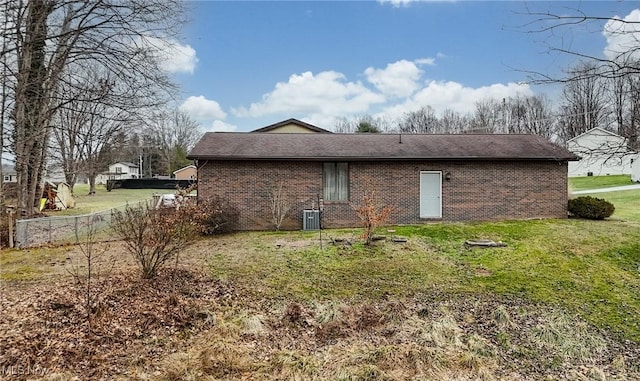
[424,177]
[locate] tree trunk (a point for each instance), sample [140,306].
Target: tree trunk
[30,109]
[92,183]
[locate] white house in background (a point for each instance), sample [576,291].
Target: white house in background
[119,171]
[10,177]
[635,170]
[602,153]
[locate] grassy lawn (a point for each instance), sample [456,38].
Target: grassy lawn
[589,268]
[595,182]
[627,203]
[103,200]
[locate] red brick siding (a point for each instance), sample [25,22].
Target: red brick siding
[476,190]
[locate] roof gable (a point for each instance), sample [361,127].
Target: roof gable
[190,166]
[126,164]
[354,147]
[596,131]
[292,122]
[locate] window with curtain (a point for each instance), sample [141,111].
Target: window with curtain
[336,181]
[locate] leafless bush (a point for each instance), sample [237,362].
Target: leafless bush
[154,236]
[371,212]
[216,215]
[281,203]
[94,265]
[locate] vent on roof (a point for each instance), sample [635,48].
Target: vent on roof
[310,219]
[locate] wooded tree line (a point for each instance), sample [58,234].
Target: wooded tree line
[83,85]
[594,97]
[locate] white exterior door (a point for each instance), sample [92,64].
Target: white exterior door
[430,194]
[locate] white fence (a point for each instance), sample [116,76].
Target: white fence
[47,230]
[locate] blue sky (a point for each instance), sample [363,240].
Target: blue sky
[244,65]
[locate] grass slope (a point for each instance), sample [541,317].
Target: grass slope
[627,203]
[595,182]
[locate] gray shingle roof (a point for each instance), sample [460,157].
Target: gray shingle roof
[355,147]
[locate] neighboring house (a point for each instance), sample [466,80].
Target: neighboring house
[292,126]
[424,177]
[187,173]
[10,177]
[119,171]
[635,170]
[601,153]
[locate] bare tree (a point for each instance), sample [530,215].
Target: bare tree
[422,121]
[176,133]
[555,24]
[452,122]
[89,127]
[48,36]
[489,117]
[530,115]
[625,92]
[362,123]
[584,104]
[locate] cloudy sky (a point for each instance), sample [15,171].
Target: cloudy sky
[244,65]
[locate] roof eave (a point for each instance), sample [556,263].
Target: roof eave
[369,158]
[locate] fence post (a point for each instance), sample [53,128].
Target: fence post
[11,221]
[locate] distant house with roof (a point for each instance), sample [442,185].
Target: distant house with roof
[119,171]
[186,173]
[601,153]
[425,177]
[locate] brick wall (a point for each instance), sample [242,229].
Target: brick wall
[475,191]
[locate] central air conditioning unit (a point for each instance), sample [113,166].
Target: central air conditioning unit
[310,219]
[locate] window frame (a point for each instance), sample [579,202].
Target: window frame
[338,174]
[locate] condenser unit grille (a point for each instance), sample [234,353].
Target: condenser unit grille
[310,219]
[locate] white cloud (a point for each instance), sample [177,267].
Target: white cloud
[623,36]
[397,3]
[426,61]
[174,57]
[454,96]
[399,88]
[325,93]
[220,126]
[398,79]
[405,3]
[202,108]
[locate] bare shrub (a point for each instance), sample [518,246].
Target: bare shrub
[216,215]
[371,213]
[154,236]
[281,203]
[93,262]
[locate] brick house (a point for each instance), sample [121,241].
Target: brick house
[425,177]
